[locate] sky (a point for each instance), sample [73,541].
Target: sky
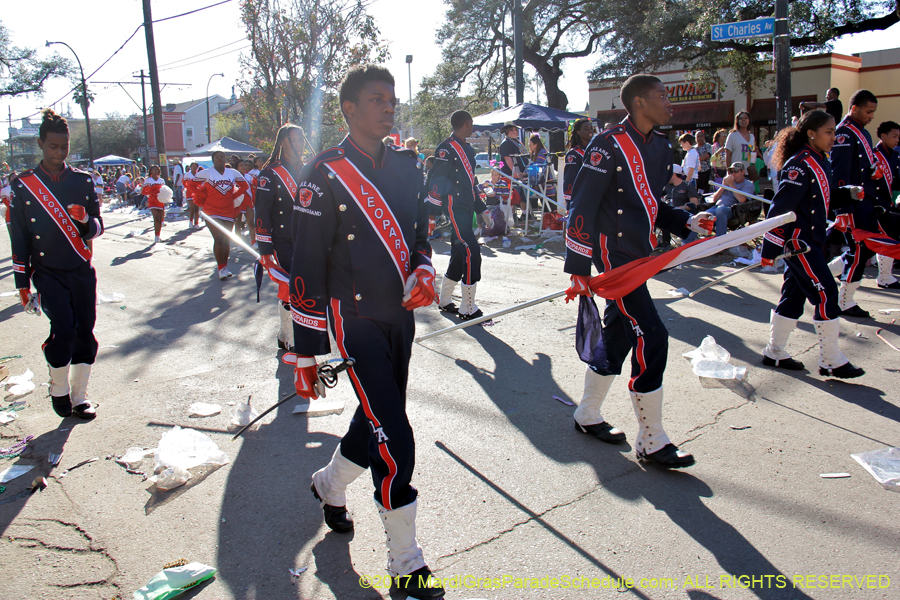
[190,49]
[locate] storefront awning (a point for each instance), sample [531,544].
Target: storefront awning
[702,115]
[763,110]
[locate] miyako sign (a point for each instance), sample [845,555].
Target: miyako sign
[691,91]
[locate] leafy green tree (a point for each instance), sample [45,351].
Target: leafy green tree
[22,72]
[300,50]
[115,134]
[231,125]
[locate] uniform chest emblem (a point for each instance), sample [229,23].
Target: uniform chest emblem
[263,182]
[223,186]
[596,157]
[792,174]
[841,138]
[306,196]
[570,159]
[442,153]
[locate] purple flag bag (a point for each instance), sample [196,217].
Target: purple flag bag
[589,336]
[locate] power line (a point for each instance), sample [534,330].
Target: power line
[206,59]
[202,53]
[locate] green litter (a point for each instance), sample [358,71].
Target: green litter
[175,579]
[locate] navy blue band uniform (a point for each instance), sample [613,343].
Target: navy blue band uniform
[275,211]
[359,228]
[454,188]
[574,158]
[804,189]
[853,161]
[885,188]
[51,250]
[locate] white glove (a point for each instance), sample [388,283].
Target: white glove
[488,220]
[702,222]
[238,200]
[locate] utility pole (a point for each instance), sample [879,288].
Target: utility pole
[146,133]
[503,58]
[409,108]
[517,40]
[154,92]
[782,53]
[9,131]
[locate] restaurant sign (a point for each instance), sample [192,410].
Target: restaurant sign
[691,91]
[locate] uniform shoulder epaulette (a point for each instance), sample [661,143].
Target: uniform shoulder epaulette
[613,130]
[803,154]
[660,133]
[329,155]
[270,166]
[79,171]
[406,151]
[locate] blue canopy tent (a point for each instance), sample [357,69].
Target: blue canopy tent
[113,160]
[526,116]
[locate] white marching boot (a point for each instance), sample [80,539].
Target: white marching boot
[832,362]
[847,304]
[60,390]
[286,328]
[81,406]
[467,308]
[329,486]
[775,355]
[652,443]
[886,277]
[445,299]
[836,266]
[405,556]
[587,416]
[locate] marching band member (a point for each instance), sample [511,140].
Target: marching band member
[805,176]
[152,184]
[362,265]
[454,189]
[275,194]
[889,136]
[220,192]
[582,132]
[55,213]
[615,208]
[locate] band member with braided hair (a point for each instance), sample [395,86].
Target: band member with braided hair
[55,213]
[806,190]
[615,207]
[582,132]
[362,264]
[276,190]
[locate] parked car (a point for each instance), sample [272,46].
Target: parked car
[481,160]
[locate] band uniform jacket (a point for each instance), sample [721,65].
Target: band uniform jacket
[276,188]
[804,189]
[359,230]
[853,160]
[616,200]
[452,179]
[890,164]
[41,231]
[574,158]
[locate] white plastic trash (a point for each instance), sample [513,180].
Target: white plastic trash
[242,414]
[182,449]
[712,360]
[13,472]
[170,582]
[19,385]
[201,409]
[109,299]
[883,465]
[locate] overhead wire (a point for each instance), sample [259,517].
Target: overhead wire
[206,59]
[243,39]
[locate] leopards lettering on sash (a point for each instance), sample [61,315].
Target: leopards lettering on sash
[862,140]
[286,179]
[376,210]
[886,169]
[822,180]
[639,179]
[465,160]
[57,212]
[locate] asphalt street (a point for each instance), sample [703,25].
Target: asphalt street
[512,500]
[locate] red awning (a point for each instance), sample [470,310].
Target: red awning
[763,110]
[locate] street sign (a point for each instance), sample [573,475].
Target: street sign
[743,29]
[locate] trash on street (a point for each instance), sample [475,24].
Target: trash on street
[883,465]
[174,581]
[711,360]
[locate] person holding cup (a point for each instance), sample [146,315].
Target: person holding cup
[740,146]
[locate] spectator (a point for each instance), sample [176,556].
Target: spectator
[98,185]
[510,152]
[741,145]
[536,150]
[123,185]
[388,141]
[832,105]
[690,165]
[178,180]
[680,194]
[429,164]
[718,162]
[705,151]
[726,199]
[413,144]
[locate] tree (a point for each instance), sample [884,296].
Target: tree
[114,135]
[22,72]
[232,125]
[553,31]
[300,50]
[652,33]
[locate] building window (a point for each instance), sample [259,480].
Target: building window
[206,131]
[189,132]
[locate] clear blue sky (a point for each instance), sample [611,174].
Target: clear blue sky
[95,31]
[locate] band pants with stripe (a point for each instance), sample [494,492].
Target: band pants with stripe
[69,299]
[380,437]
[631,324]
[465,254]
[855,260]
[807,277]
[284,254]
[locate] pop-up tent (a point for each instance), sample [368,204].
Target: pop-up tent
[113,160]
[226,145]
[526,116]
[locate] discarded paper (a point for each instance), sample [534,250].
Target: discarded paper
[296,572]
[13,472]
[182,449]
[201,409]
[171,582]
[834,475]
[566,402]
[883,465]
[21,384]
[679,293]
[320,409]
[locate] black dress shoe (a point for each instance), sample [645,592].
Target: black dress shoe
[62,405]
[845,371]
[420,584]
[668,457]
[855,311]
[783,363]
[85,411]
[475,315]
[890,286]
[449,308]
[336,517]
[602,431]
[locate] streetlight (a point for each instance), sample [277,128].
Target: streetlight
[84,102]
[409,108]
[208,126]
